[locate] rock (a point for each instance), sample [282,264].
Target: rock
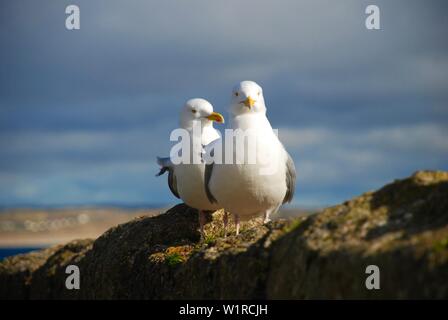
[402,228]
[16,273]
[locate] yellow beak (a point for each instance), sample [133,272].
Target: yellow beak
[215,116]
[249,102]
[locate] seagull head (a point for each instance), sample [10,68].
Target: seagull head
[247,97]
[199,110]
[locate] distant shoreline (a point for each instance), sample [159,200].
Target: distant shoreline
[32,227]
[122,206]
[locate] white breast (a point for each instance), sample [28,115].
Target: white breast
[250,189]
[190,186]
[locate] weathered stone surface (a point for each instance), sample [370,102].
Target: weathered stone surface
[402,228]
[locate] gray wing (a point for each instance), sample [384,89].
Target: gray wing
[290,179]
[166,165]
[207,177]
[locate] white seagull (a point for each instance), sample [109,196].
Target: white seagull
[264,176]
[186,180]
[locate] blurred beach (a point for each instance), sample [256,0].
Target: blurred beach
[25,229]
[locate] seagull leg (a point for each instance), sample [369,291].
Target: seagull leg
[225,220]
[237,224]
[266,218]
[202,222]
[267,213]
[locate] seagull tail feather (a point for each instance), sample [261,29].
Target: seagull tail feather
[165,164]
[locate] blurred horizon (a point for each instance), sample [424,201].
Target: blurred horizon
[84,113]
[102,205]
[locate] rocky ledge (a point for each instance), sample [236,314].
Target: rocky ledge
[401,228]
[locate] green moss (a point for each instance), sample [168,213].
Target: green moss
[178,254]
[294,225]
[441,245]
[173,259]
[209,239]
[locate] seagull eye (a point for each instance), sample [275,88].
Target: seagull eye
[193,110]
[258,92]
[236,94]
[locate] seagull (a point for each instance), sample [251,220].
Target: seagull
[248,188]
[186,180]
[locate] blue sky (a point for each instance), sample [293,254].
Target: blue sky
[84,113]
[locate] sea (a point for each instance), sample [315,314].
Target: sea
[7,252]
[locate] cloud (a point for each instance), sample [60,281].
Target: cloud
[328,159]
[425,138]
